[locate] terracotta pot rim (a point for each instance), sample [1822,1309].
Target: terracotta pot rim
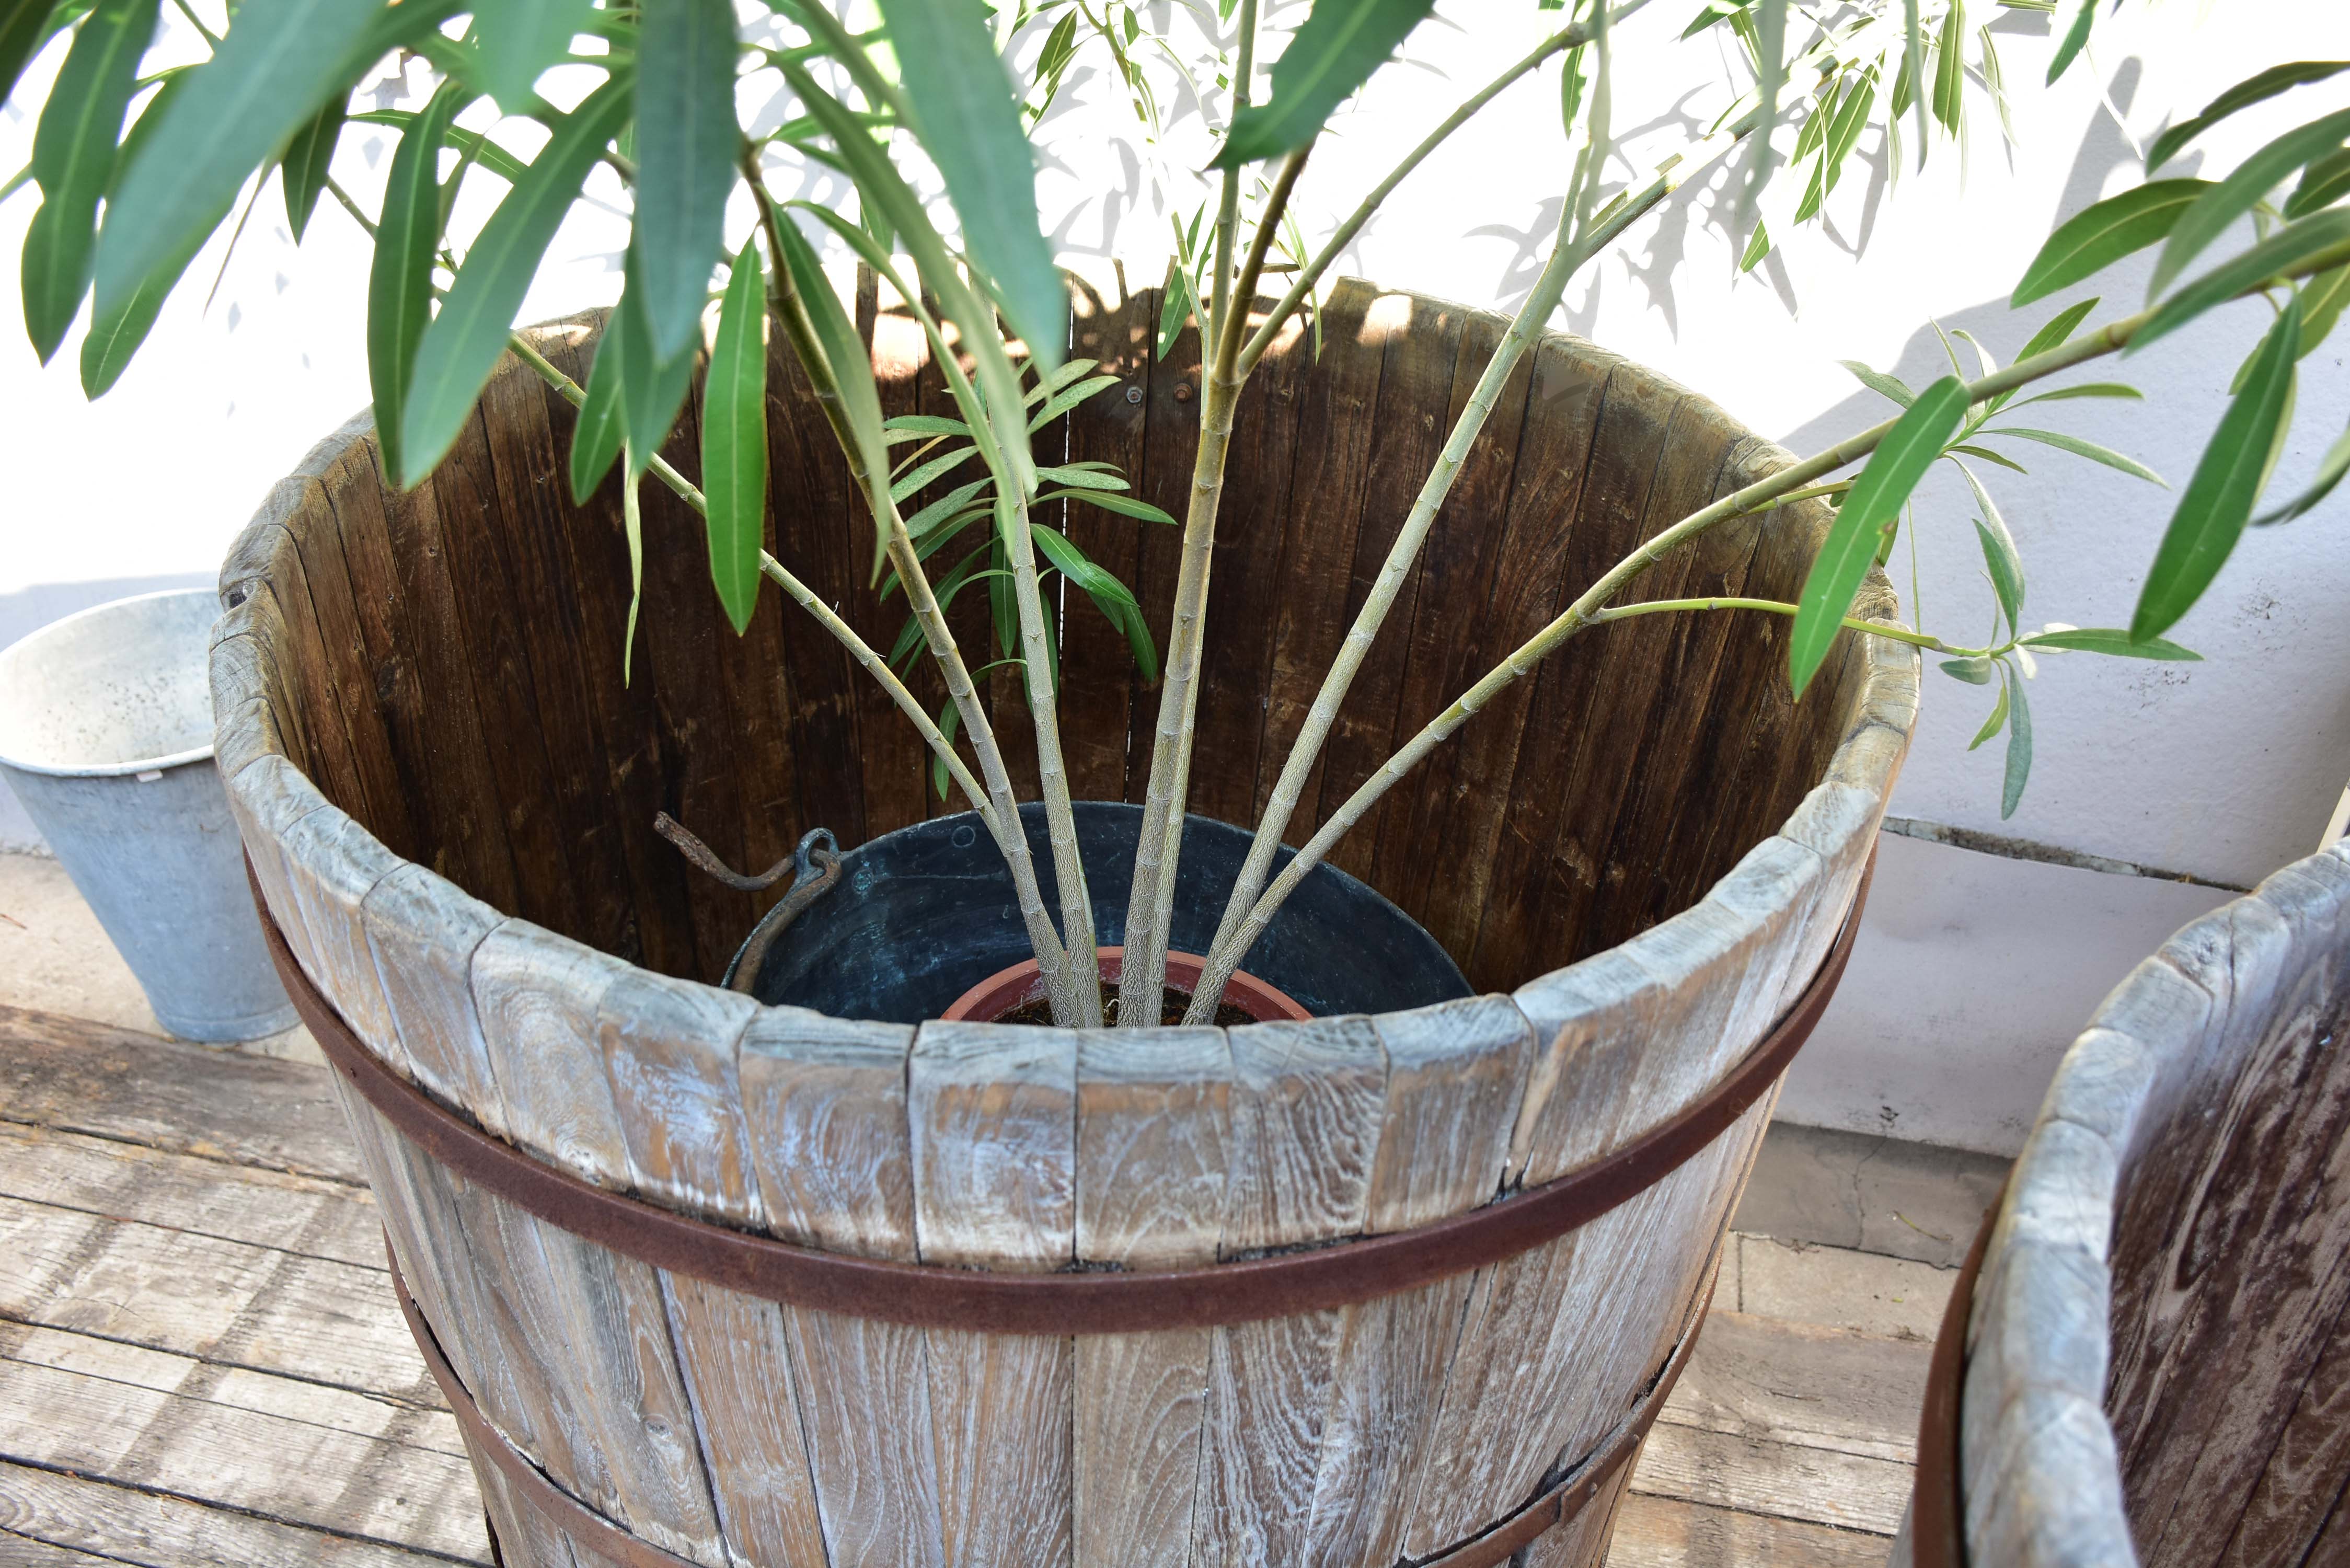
[1020,984]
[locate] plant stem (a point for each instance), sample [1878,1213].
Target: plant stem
[1158,844]
[1568,255]
[1778,606]
[1073,997]
[1588,608]
[1324,259]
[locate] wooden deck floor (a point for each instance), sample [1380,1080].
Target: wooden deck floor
[200,1363]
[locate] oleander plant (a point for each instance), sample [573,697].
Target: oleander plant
[923,113]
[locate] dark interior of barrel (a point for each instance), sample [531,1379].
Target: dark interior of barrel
[454,654]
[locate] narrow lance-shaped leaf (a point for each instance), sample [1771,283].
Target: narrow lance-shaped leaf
[2059,329]
[302,174]
[2254,89]
[399,277]
[686,144]
[653,390]
[1112,597]
[1912,79]
[2076,37]
[2330,470]
[277,63]
[2019,748]
[2219,500]
[519,40]
[734,441]
[1998,719]
[852,373]
[1771,74]
[1950,67]
[2064,442]
[1341,43]
[2322,301]
[878,182]
[2241,191]
[2290,246]
[603,426]
[24,27]
[119,326]
[2000,557]
[2114,641]
[1877,381]
[1870,506]
[2092,240]
[73,159]
[2322,183]
[1974,671]
[960,101]
[632,521]
[462,344]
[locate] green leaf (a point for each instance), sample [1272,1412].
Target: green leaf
[2243,95]
[967,119]
[1883,385]
[1112,597]
[1758,245]
[2322,183]
[2094,239]
[1081,476]
[2076,37]
[934,469]
[1949,72]
[518,40]
[2019,750]
[2079,448]
[2000,555]
[302,174]
[2217,501]
[1770,43]
[1852,118]
[1051,381]
[1175,307]
[277,65]
[119,326]
[2330,470]
[852,370]
[602,429]
[879,181]
[945,506]
[1869,507]
[2059,329]
[1062,402]
[2295,242]
[23,28]
[653,390]
[2210,215]
[2114,641]
[399,275]
[1341,43]
[1988,455]
[949,720]
[72,159]
[2322,299]
[471,143]
[2084,389]
[1124,505]
[925,425]
[1974,671]
[734,441]
[686,143]
[462,344]
[1909,86]
[1998,720]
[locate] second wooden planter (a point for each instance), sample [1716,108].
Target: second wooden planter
[726,1283]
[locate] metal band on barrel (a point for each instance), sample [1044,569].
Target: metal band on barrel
[1342,1274]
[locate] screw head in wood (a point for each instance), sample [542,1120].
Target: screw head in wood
[1134,394]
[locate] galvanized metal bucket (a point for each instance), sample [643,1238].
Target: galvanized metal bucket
[106,735]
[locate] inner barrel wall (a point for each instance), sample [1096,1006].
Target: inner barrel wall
[459,684]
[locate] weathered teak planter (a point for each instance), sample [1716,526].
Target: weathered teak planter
[2156,1360]
[1642,857]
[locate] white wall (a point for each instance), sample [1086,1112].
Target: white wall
[2222,771]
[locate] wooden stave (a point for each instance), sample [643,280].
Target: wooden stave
[2051,1423]
[331,885]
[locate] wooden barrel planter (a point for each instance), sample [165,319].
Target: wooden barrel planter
[726,1283]
[2152,1363]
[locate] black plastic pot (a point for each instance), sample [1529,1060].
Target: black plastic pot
[920,915]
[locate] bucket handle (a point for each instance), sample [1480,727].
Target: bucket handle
[815,865]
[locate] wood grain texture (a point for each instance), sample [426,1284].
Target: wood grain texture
[1153,1122]
[1307,1109]
[421,933]
[535,995]
[993,1111]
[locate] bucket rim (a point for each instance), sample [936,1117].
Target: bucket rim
[158,763]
